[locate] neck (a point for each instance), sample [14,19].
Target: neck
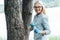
[38,13]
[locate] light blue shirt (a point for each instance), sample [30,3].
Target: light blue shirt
[41,23]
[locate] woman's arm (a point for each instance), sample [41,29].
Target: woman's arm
[31,26]
[45,25]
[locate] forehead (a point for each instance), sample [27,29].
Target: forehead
[37,4]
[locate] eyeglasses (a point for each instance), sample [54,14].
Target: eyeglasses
[37,6]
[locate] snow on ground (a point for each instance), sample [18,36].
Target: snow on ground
[54,20]
[3,31]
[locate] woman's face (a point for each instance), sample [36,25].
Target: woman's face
[38,8]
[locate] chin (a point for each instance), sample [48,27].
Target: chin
[38,12]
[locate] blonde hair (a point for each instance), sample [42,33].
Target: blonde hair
[43,8]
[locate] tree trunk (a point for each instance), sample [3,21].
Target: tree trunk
[26,15]
[17,28]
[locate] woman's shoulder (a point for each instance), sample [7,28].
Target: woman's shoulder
[44,16]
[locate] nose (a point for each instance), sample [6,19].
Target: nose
[37,9]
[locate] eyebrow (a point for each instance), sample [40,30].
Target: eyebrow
[38,6]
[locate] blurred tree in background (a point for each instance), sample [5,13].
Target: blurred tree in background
[51,3]
[47,3]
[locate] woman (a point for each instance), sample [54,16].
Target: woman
[40,22]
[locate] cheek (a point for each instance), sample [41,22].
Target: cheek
[38,10]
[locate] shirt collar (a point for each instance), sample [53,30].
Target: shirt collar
[39,14]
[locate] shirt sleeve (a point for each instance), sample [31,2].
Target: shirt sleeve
[45,24]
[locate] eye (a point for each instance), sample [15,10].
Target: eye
[37,6]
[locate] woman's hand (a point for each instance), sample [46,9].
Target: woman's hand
[36,31]
[32,24]
[43,32]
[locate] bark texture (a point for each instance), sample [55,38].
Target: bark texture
[18,16]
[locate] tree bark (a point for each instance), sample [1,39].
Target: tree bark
[17,19]
[26,15]
[15,27]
